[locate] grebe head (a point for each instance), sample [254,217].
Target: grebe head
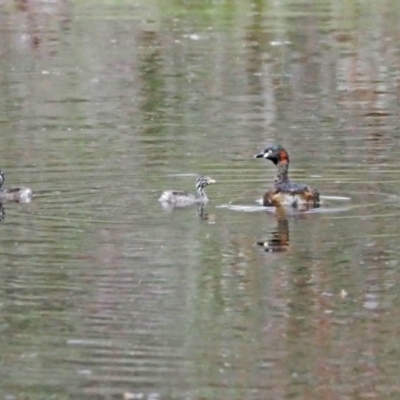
[203,181]
[276,153]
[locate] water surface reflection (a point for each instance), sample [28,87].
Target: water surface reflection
[105,295]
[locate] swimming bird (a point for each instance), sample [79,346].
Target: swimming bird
[180,198]
[19,194]
[284,191]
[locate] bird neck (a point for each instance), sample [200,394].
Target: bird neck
[282,172]
[200,192]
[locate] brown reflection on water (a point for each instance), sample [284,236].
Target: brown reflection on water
[104,294]
[152,96]
[39,23]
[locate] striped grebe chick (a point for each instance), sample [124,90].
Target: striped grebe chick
[180,198]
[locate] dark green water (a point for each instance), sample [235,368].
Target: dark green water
[105,295]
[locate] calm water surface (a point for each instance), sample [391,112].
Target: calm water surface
[105,295]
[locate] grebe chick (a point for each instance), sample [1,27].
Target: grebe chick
[284,191]
[20,194]
[180,198]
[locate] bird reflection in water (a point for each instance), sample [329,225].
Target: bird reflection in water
[202,212]
[279,240]
[204,215]
[2,213]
